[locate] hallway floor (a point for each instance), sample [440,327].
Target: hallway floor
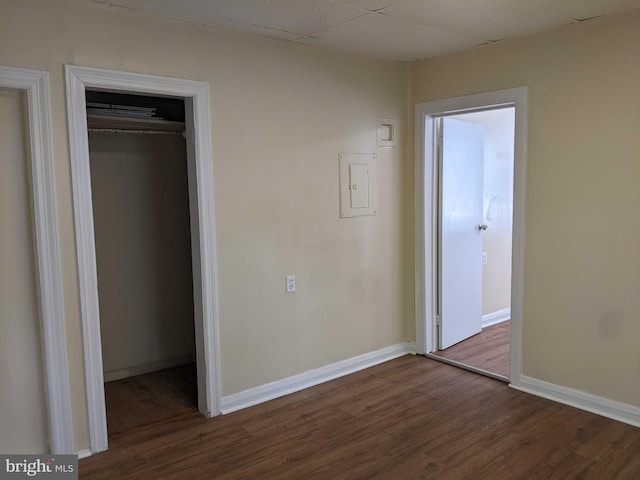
[489,350]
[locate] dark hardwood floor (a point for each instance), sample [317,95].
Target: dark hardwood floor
[489,350]
[409,418]
[151,398]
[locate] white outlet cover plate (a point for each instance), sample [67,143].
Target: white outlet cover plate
[291,283]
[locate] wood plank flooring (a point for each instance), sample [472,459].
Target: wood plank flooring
[489,350]
[409,418]
[151,398]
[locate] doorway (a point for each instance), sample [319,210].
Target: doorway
[195,96]
[33,86]
[429,296]
[475,209]
[140,195]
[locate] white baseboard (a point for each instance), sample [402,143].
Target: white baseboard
[121,373]
[585,401]
[295,383]
[496,317]
[84,453]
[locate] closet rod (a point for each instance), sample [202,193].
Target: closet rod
[119,130]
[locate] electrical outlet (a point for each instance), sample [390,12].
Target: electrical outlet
[484,258]
[291,283]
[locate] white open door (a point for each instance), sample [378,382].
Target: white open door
[462,159]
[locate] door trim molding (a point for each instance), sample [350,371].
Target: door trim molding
[197,108]
[51,305]
[426,212]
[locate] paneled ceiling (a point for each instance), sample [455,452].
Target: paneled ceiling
[404,30]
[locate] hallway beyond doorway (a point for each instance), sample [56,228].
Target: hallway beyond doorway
[488,350]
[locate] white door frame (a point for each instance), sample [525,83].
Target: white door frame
[426,211]
[35,84]
[200,171]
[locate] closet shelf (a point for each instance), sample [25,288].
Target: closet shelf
[127,123]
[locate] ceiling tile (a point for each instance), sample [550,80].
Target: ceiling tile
[381,36]
[302,17]
[270,32]
[488,19]
[176,10]
[371,5]
[583,9]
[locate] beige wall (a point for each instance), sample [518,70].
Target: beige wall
[23,422]
[582,268]
[281,114]
[497,205]
[143,250]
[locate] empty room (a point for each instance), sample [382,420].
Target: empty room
[320,238]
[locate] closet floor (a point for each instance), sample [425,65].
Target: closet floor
[143,400]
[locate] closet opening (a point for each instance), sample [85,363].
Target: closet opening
[143,241]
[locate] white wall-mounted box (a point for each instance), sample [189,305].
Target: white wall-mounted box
[358,184]
[387,132]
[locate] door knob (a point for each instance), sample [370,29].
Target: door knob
[482,226]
